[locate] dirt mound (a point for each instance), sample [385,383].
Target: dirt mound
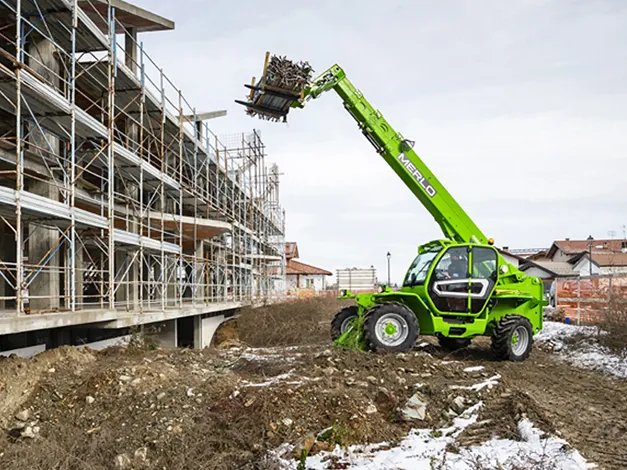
[234,406]
[227,408]
[305,321]
[19,377]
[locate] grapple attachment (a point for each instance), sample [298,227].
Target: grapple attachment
[281,85]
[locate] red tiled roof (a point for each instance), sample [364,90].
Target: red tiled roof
[609,259]
[572,247]
[296,267]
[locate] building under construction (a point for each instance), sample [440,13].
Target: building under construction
[118,205]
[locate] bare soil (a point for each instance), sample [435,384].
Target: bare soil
[226,407]
[587,408]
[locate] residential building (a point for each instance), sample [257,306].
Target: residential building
[303,278]
[525,253]
[569,258]
[512,257]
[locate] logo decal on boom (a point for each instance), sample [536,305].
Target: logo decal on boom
[430,190]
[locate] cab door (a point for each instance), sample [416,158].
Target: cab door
[463,279]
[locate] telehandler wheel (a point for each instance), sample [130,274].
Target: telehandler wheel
[512,338]
[341,321]
[453,344]
[390,327]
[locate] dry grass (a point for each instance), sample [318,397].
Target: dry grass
[305,321]
[614,322]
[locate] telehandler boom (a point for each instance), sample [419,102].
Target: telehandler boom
[456,288]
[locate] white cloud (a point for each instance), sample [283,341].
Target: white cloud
[518,108]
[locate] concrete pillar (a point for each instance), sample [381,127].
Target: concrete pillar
[130,49]
[156,283]
[168,282]
[5,272]
[129,291]
[80,275]
[132,191]
[172,281]
[41,241]
[204,329]
[42,59]
[167,335]
[199,126]
[194,291]
[199,268]
[7,255]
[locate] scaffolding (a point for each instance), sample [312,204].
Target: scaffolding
[114,192]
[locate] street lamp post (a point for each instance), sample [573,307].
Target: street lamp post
[388,257]
[590,254]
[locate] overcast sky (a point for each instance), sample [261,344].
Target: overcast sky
[519,108]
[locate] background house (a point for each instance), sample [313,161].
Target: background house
[300,276]
[568,258]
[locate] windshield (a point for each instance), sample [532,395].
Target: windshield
[417,272]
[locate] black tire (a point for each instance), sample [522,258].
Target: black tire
[398,315]
[453,344]
[502,335]
[339,322]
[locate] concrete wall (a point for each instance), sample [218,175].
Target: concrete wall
[560,256]
[204,329]
[582,268]
[26,352]
[107,343]
[303,281]
[536,272]
[167,335]
[511,259]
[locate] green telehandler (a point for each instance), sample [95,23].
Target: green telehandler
[457,287]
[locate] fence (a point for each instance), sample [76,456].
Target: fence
[307,293]
[357,280]
[584,299]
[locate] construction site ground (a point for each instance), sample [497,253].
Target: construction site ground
[274,394]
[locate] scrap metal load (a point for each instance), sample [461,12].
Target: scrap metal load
[282,83]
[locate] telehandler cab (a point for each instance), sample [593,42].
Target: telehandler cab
[456,288]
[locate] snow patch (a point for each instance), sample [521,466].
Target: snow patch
[272,381]
[422,448]
[586,353]
[280,379]
[268,357]
[489,383]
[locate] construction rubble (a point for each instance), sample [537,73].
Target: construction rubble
[241,407]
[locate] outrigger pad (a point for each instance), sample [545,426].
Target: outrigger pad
[282,83]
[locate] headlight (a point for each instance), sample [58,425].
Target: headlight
[342,292]
[381,289]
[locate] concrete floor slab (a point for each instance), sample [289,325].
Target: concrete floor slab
[11,323]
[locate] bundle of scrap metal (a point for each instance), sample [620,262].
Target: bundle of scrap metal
[282,84]
[287,75]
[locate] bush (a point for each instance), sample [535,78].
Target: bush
[614,323]
[293,323]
